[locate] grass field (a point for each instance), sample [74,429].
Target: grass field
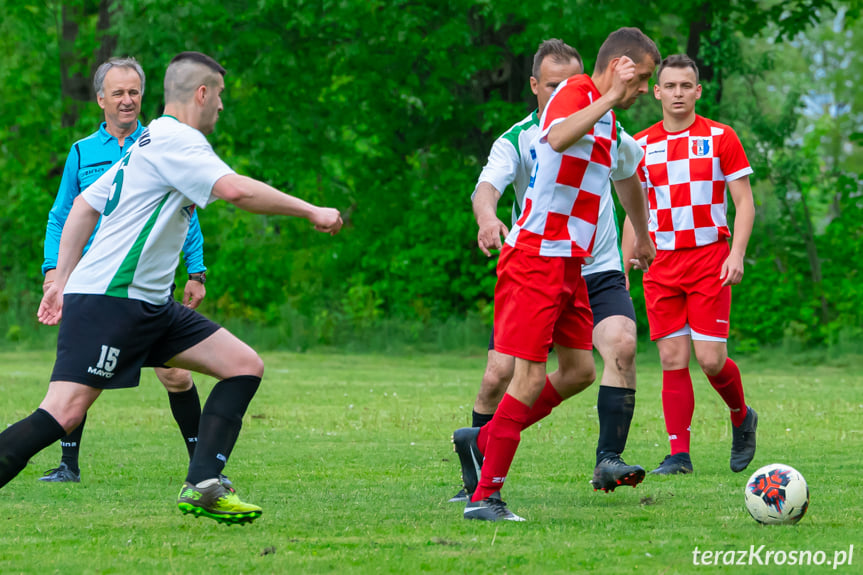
[350,458]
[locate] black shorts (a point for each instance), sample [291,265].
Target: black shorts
[104,341]
[608,296]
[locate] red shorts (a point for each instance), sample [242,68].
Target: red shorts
[539,300]
[683,286]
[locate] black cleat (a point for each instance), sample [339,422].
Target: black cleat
[469,455]
[61,474]
[461,497]
[612,472]
[743,441]
[679,463]
[490,509]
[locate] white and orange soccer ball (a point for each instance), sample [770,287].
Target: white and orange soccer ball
[777,493]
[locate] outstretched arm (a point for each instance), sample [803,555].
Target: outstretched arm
[259,198]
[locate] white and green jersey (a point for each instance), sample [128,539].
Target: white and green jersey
[146,200]
[510,162]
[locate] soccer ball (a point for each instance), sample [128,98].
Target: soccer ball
[777,493]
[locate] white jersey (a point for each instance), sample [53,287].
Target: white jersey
[511,162]
[146,200]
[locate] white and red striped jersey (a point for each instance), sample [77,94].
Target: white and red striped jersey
[561,205]
[685,176]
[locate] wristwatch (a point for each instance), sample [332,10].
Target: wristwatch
[198,277]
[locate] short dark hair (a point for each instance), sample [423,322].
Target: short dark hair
[558,50]
[678,61]
[200,58]
[630,42]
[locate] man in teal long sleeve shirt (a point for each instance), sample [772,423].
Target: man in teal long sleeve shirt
[119,86]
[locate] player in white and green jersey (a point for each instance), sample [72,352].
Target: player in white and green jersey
[511,162]
[115,301]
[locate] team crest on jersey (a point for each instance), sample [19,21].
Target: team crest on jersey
[700,147]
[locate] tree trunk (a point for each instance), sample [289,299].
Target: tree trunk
[76,67]
[74,85]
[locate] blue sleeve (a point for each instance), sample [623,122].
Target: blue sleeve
[193,247]
[69,190]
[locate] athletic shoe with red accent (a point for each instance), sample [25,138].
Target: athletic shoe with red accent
[613,472]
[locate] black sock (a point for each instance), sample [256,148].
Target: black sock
[186,408]
[71,446]
[221,420]
[615,406]
[21,441]
[480,419]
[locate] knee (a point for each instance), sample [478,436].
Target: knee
[254,365]
[578,377]
[69,420]
[495,380]
[176,380]
[624,348]
[711,364]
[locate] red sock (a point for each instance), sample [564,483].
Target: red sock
[548,399]
[730,387]
[678,405]
[502,438]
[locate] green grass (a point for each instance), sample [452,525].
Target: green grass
[349,456]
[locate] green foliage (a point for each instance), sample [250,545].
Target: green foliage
[387,109]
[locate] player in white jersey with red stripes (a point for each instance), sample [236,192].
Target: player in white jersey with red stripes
[541,297]
[689,163]
[115,302]
[614,334]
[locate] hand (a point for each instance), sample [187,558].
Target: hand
[622,80]
[51,308]
[732,270]
[50,275]
[193,294]
[489,236]
[327,220]
[645,253]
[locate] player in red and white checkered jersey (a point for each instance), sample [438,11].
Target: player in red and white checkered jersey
[540,296]
[689,163]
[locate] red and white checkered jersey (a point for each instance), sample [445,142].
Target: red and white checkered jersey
[685,175]
[561,205]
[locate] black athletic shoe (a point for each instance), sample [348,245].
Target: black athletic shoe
[743,441]
[61,474]
[460,497]
[678,463]
[469,455]
[613,471]
[490,509]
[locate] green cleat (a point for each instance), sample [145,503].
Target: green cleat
[214,500]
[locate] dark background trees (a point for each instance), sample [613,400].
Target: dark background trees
[387,111]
